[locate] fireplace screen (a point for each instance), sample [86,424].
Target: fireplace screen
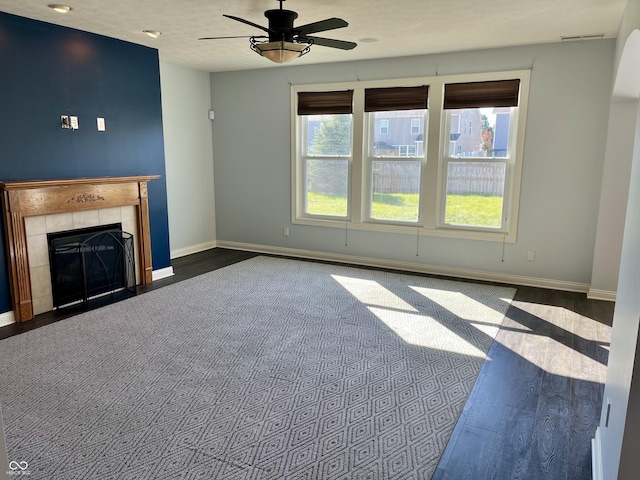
[90,264]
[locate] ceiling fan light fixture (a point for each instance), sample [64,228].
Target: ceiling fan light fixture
[280,51]
[56,7]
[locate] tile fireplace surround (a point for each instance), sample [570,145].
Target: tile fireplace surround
[45,201]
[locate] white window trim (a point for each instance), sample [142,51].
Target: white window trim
[432,181]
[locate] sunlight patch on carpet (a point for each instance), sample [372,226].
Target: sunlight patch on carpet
[432,318]
[370,292]
[473,304]
[424,331]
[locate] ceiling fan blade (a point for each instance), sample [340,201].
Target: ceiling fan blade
[219,38]
[328,42]
[321,26]
[242,20]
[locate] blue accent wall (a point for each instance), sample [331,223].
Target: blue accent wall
[47,71]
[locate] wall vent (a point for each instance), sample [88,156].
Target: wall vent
[582,38]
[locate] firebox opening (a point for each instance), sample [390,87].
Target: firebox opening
[91,266]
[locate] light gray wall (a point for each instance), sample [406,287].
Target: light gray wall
[564,149]
[614,193]
[186,100]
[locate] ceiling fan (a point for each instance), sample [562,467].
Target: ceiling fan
[285,42]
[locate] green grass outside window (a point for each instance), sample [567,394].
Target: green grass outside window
[466,210]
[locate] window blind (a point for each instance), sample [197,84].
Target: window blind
[395,98]
[498,93]
[325,103]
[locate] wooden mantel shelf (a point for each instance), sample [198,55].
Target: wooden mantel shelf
[31,184]
[23,199]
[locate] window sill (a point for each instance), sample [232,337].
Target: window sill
[411,230]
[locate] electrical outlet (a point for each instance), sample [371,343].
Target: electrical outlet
[74,122]
[101,126]
[286,231]
[531,255]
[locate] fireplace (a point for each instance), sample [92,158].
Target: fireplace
[66,205]
[91,266]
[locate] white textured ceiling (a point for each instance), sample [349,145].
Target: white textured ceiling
[401,27]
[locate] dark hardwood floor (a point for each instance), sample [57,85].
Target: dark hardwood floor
[536,403]
[183,268]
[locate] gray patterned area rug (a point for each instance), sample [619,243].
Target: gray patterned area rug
[266,369]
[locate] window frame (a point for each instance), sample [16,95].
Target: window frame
[507,160]
[304,156]
[433,179]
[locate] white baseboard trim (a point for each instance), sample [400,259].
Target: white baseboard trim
[412,267]
[595,294]
[201,247]
[161,273]
[596,456]
[7,318]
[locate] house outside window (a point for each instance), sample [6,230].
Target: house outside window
[384,127]
[415,126]
[394,171]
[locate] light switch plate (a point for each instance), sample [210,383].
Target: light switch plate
[101,125]
[74,122]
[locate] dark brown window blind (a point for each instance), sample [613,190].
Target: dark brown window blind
[325,103]
[395,98]
[498,93]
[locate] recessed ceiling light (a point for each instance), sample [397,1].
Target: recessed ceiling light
[59,8]
[368,40]
[152,33]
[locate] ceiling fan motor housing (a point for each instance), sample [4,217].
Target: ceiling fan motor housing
[281,25]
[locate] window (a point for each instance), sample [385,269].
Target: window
[384,126]
[393,174]
[407,150]
[326,151]
[375,161]
[477,173]
[415,126]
